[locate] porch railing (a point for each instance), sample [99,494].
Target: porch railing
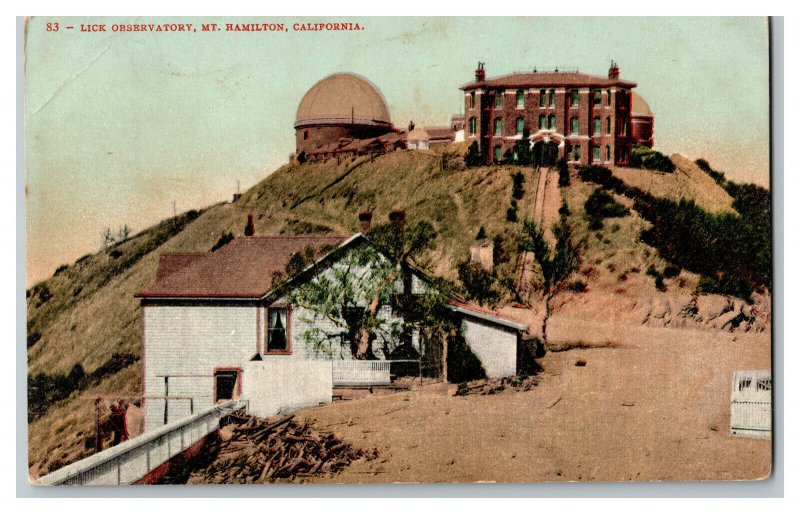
[355,372]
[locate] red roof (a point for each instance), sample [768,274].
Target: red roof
[241,269]
[548,79]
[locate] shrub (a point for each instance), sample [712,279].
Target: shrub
[478,283]
[517,190]
[671,271]
[563,173]
[564,211]
[511,214]
[481,234]
[726,285]
[301,157]
[33,338]
[602,205]
[578,286]
[224,239]
[644,157]
[61,269]
[473,157]
[718,176]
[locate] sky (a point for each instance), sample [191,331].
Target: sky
[119,127]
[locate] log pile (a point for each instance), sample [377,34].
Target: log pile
[251,450]
[496,385]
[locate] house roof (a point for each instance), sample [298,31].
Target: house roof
[547,79]
[243,268]
[439,132]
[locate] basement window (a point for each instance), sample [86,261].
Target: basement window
[227,384]
[278,334]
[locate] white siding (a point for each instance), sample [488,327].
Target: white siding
[188,343]
[277,385]
[493,345]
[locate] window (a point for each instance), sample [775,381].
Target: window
[598,97]
[573,98]
[595,153]
[498,100]
[608,98]
[597,126]
[305,135]
[542,122]
[498,126]
[227,385]
[573,125]
[576,155]
[608,125]
[541,98]
[551,122]
[520,125]
[472,100]
[472,126]
[520,98]
[624,130]
[552,98]
[608,153]
[277,330]
[498,153]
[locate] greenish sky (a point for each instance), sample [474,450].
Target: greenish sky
[120,125]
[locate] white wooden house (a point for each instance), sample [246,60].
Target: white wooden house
[751,404]
[214,329]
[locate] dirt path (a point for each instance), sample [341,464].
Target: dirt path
[655,410]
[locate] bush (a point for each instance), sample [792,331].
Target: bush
[224,239]
[517,190]
[726,285]
[473,157]
[481,234]
[478,283]
[602,205]
[511,214]
[671,271]
[33,338]
[563,173]
[61,269]
[578,286]
[718,176]
[644,157]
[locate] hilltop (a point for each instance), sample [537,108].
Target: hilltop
[86,313]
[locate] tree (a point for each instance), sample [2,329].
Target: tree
[556,267]
[473,157]
[350,293]
[523,155]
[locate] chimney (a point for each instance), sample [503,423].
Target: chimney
[480,73]
[399,218]
[613,71]
[365,220]
[250,228]
[411,125]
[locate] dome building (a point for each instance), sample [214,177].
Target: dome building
[642,120]
[343,114]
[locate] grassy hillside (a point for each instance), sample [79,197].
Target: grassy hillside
[86,312]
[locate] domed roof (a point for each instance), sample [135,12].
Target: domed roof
[638,105]
[343,97]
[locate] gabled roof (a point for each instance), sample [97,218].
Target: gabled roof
[243,268]
[548,79]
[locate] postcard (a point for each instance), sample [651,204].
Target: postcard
[397,250]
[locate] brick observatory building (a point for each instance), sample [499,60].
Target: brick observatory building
[588,119]
[341,115]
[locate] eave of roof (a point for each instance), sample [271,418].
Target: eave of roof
[547,79]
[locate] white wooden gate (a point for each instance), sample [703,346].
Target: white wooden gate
[751,404]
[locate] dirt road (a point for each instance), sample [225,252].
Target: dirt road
[655,410]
